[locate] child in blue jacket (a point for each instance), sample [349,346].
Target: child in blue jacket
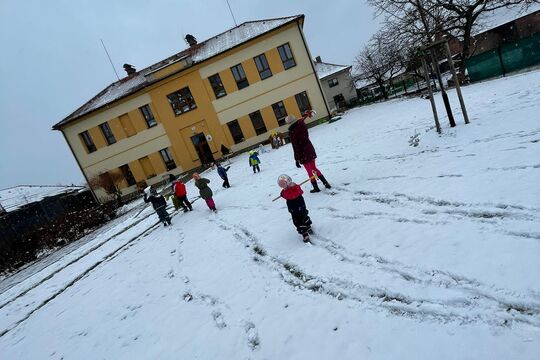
[254,161]
[222,172]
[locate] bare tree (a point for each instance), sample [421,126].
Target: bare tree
[419,22]
[110,182]
[379,61]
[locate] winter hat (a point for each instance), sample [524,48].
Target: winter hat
[284,181]
[196,176]
[153,191]
[290,119]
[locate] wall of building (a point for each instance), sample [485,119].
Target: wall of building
[345,87]
[138,146]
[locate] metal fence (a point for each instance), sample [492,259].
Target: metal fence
[505,59]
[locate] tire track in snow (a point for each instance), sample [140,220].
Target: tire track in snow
[471,307]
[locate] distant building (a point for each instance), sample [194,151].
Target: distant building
[337,84]
[232,89]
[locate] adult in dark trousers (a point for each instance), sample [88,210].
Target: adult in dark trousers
[222,172]
[304,152]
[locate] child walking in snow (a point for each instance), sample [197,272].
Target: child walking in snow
[204,190]
[159,204]
[180,193]
[254,161]
[296,205]
[222,172]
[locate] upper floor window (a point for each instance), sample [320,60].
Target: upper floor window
[128,175]
[217,86]
[236,131]
[88,142]
[182,101]
[240,76]
[262,66]
[258,122]
[167,158]
[333,82]
[286,56]
[280,112]
[148,116]
[302,101]
[107,133]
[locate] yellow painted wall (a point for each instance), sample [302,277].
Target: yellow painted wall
[269,118]
[147,167]
[251,71]
[97,137]
[117,129]
[157,162]
[127,125]
[137,171]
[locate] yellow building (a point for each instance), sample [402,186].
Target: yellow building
[232,89]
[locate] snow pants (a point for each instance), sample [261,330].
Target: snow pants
[302,221]
[311,167]
[184,202]
[226,183]
[211,204]
[163,215]
[257,168]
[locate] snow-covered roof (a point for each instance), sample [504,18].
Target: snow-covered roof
[198,53]
[502,16]
[326,69]
[15,197]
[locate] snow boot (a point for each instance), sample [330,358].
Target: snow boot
[326,183]
[315,187]
[306,238]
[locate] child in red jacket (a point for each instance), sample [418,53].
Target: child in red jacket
[181,194]
[296,206]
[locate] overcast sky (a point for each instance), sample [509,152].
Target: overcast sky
[52,60]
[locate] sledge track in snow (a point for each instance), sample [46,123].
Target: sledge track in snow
[82,274]
[474,303]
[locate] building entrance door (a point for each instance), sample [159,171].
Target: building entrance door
[202,148]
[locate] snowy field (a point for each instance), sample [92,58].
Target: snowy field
[427,252]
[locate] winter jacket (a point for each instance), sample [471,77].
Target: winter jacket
[222,172]
[179,189]
[303,148]
[204,189]
[295,200]
[158,201]
[254,159]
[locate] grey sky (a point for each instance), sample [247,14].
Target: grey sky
[52,60]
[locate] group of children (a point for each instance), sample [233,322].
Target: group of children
[304,154]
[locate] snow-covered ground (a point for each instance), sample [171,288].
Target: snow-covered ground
[427,252]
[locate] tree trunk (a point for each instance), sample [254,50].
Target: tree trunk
[383,90]
[466,51]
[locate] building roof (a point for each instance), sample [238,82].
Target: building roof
[202,51]
[491,20]
[327,69]
[15,197]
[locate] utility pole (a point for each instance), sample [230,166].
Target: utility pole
[229,5]
[106,52]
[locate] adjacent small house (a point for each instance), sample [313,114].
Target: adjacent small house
[337,84]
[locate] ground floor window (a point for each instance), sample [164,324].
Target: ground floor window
[302,101]
[236,131]
[167,158]
[258,122]
[280,112]
[128,175]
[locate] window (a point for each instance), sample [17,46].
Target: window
[258,122]
[128,175]
[217,86]
[333,82]
[148,116]
[87,140]
[167,159]
[240,76]
[280,112]
[236,131]
[302,101]
[181,101]
[107,133]
[286,56]
[263,66]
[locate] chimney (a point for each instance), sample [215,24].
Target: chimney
[318,59]
[190,39]
[130,70]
